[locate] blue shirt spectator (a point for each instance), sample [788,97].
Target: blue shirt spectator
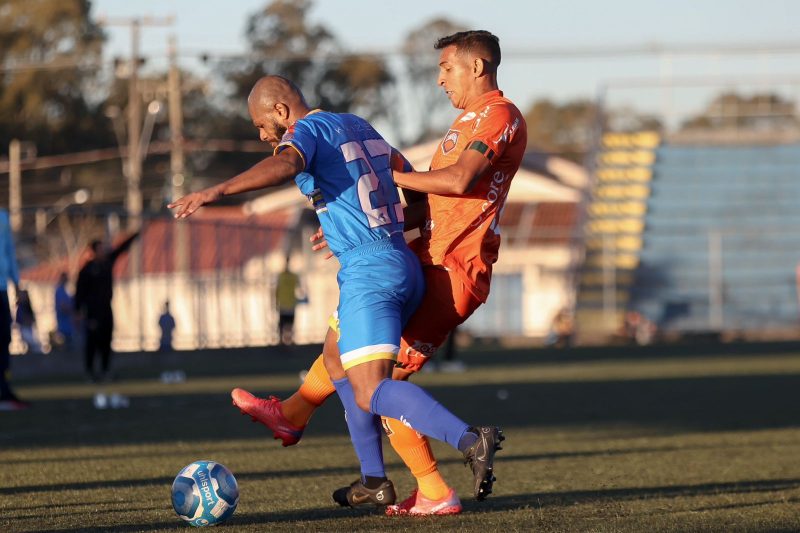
[64,310]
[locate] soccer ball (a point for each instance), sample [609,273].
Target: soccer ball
[205,493]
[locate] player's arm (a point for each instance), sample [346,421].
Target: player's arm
[416,209]
[123,246]
[458,178]
[269,172]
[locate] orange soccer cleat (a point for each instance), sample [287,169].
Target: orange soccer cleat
[419,505]
[268,412]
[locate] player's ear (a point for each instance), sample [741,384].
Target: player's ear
[478,67]
[282,110]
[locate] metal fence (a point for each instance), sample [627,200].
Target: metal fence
[224,294]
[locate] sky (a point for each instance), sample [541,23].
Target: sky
[528,29]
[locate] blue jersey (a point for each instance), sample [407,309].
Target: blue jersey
[347,178]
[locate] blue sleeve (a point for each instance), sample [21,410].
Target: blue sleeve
[301,136]
[11,254]
[399,162]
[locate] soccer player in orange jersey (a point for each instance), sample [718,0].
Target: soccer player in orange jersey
[457,206]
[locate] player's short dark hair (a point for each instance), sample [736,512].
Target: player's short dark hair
[480,42]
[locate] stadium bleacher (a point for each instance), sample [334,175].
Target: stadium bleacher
[696,238]
[739,200]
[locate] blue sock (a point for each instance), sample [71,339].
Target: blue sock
[365,432]
[414,407]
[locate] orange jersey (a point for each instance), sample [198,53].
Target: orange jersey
[462,232]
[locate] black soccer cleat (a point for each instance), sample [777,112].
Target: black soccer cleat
[480,457]
[358,494]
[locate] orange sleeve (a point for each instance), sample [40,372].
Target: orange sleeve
[494,131]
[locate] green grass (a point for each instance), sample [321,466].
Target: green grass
[658,442]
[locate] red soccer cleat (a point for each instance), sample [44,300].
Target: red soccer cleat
[268,412]
[419,505]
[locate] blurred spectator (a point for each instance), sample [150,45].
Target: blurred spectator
[26,322]
[65,314]
[8,271]
[562,330]
[288,293]
[638,328]
[93,302]
[449,363]
[166,323]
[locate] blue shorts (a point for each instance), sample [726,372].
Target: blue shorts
[380,287]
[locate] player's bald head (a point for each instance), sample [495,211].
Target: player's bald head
[270,90]
[476,43]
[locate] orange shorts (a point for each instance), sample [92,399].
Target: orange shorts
[447,303]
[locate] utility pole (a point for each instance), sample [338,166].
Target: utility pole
[133,198]
[175,120]
[14,185]
[177,161]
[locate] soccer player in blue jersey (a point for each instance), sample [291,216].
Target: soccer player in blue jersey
[343,166]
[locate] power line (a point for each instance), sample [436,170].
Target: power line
[155,148]
[532,52]
[544,52]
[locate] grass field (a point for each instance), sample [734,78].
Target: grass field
[651,441]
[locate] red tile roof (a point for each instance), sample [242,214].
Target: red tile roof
[545,223]
[219,238]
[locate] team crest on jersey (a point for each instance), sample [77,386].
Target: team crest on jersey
[450,141]
[317,201]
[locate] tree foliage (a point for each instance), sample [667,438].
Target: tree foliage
[732,110]
[564,129]
[49,56]
[569,129]
[434,110]
[284,42]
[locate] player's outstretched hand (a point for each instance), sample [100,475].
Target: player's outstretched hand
[319,239]
[191,202]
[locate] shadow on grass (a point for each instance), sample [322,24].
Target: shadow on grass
[716,403]
[343,470]
[264,519]
[167,481]
[498,504]
[566,498]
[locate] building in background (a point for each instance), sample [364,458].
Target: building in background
[225,296]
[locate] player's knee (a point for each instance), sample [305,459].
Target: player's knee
[330,357]
[364,397]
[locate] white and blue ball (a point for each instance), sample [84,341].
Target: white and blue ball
[205,493]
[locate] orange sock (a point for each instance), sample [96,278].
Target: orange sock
[316,388]
[415,451]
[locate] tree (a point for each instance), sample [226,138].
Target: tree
[49,56]
[283,41]
[434,110]
[731,110]
[564,129]
[569,129]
